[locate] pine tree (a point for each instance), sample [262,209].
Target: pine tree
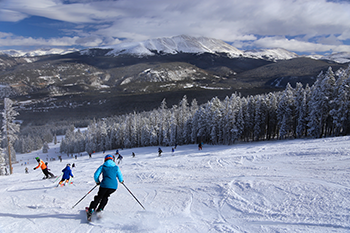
[46,147]
[286,113]
[341,105]
[319,105]
[10,129]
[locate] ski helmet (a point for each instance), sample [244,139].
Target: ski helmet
[37,159]
[109,157]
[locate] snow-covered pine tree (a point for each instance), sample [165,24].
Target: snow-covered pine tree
[300,111]
[228,119]
[249,116]
[238,127]
[341,105]
[260,118]
[271,118]
[319,104]
[286,113]
[10,129]
[214,116]
[46,147]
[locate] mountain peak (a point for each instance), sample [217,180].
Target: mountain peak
[174,45]
[182,44]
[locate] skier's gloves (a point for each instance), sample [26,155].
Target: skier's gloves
[98,183]
[34,168]
[122,182]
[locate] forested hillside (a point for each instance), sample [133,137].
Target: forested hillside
[318,111]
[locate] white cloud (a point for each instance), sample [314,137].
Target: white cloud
[345,35]
[298,46]
[10,40]
[236,21]
[11,16]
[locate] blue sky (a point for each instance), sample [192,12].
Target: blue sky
[301,26]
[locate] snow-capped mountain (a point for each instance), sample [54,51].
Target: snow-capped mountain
[342,57]
[270,54]
[176,44]
[99,78]
[38,52]
[183,44]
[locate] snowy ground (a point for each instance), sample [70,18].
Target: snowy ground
[281,186]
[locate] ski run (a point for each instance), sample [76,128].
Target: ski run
[298,185]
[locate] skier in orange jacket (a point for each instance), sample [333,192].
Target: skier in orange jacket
[43,167]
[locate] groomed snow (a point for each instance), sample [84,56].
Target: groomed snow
[280,186]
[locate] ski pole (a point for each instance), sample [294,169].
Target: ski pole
[58,178]
[133,196]
[84,196]
[70,181]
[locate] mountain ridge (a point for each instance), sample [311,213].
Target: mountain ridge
[102,81]
[183,44]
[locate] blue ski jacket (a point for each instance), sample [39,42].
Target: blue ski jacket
[110,172]
[67,173]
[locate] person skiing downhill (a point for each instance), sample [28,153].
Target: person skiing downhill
[109,184]
[67,173]
[120,158]
[43,167]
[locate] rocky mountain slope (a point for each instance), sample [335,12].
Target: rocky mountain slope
[130,77]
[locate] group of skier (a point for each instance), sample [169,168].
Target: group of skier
[66,172]
[111,175]
[110,172]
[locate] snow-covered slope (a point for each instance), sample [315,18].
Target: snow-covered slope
[343,57]
[270,54]
[38,52]
[281,186]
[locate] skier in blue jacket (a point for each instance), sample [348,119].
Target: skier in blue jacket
[67,173]
[110,172]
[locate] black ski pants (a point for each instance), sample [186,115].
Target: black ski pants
[47,173]
[101,199]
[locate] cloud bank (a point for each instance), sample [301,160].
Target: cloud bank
[297,25]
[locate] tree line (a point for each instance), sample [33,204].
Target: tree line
[318,111]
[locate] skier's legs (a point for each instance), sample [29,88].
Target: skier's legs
[104,200]
[46,172]
[97,198]
[62,180]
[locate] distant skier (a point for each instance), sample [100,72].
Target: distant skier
[67,173]
[120,158]
[109,184]
[172,150]
[200,146]
[43,167]
[26,170]
[133,154]
[159,151]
